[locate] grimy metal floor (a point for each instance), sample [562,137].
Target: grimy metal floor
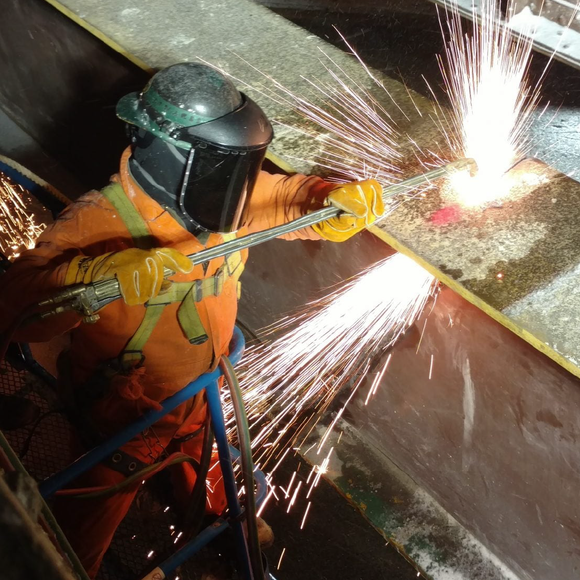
[336,541]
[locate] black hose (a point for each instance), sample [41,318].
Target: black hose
[128,481]
[6,336]
[33,366]
[247,466]
[26,445]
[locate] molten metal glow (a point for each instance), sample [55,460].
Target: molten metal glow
[491,100]
[289,381]
[18,229]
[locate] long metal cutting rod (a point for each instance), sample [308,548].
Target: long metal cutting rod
[89,298]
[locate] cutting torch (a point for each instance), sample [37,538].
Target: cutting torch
[88,299]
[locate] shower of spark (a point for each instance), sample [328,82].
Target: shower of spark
[290,380]
[330,346]
[18,228]
[357,135]
[491,97]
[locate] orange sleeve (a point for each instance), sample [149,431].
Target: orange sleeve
[278,199]
[82,228]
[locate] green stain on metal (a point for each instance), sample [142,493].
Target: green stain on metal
[379,512]
[390,509]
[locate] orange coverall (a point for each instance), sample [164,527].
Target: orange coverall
[90,226]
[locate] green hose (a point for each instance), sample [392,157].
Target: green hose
[247,466]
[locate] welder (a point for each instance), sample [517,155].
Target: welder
[191,179]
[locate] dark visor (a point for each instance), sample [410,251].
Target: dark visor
[217,186]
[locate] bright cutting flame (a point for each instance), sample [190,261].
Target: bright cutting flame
[18,228]
[289,381]
[491,99]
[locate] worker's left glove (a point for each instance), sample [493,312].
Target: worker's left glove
[139,272]
[362,203]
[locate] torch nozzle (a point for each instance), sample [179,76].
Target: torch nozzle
[462,165]
[412,183]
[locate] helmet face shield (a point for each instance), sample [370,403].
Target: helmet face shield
[198,144]
[217,185]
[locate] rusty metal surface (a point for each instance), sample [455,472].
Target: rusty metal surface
[493,435]
[487,451]
[517,259]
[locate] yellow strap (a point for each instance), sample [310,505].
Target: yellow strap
[185,292]
[234,265]
[133,352]
[130,215]
[188,293]
[175,293]
[189,319]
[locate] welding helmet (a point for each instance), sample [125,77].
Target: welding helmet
[198,144]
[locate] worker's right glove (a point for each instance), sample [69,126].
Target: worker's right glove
[362,204]
[139,272]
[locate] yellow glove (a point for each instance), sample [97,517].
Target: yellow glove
[139,272]
[363,203]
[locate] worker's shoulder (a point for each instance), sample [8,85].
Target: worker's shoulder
[91,212]
[91,202]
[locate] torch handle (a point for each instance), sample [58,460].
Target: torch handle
[99,294]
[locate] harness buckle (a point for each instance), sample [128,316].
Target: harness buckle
[198,291]
[130,359]
[218,282]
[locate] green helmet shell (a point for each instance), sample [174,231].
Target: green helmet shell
[182,95]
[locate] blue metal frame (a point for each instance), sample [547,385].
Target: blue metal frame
[57,481]
[227,456]
[208,534]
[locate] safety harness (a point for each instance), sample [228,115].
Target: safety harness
[188,294]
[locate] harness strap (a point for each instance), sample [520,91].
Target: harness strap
[187,315]
[187,293]
[132,354]
[124,463]
[189,319]
[132,219]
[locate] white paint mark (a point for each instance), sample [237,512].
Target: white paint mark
[468,414]
[539,515]
[130,12]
